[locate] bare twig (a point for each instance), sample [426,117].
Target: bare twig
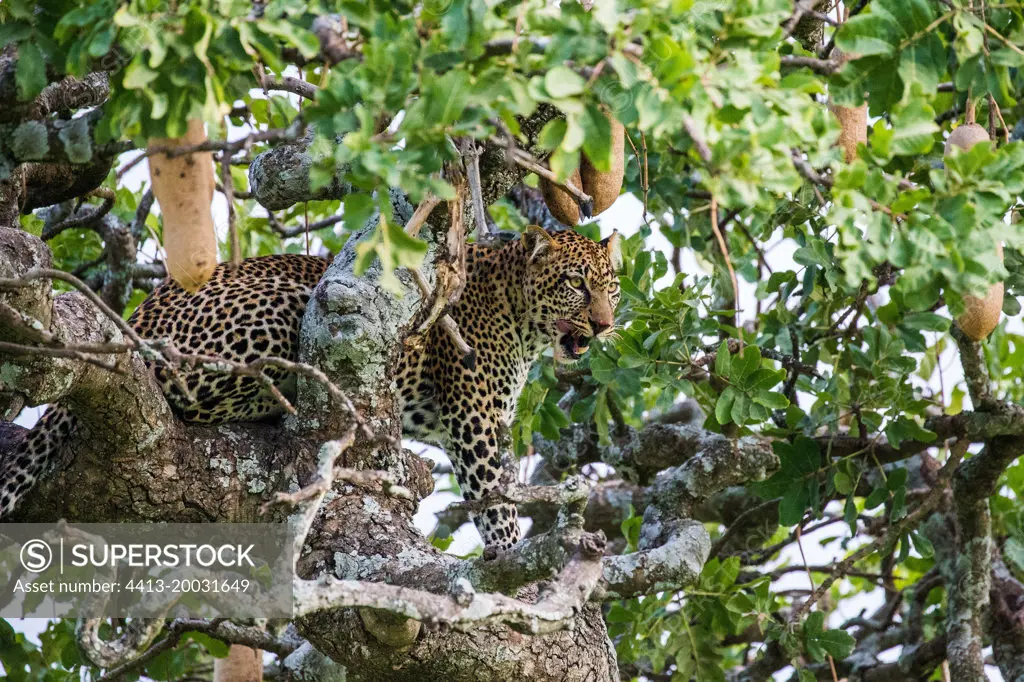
[908,522]
[1004,40]
[285,231]
[825,67]
[526,160]
[296,86]
[141,213]
[420,215]
[292,132]
[228,187]
[471,160]
[86,218]
[218,628]
[72,353]
[725,256]
[445,321]
[975,372]
[807,171]
[699,143]
[642,168]
[450,273]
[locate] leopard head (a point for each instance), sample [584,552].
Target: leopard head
[571,288]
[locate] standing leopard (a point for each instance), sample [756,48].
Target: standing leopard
[548,289]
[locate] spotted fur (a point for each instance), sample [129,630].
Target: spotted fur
[549,289]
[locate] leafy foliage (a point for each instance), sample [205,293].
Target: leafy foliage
[873,257]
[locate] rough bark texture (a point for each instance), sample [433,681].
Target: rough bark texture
[580,654]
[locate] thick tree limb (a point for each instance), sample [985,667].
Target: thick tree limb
[1006,625]
[530,203]
[974,372]
[65,95]
[975,481]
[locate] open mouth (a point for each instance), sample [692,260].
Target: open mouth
[573,343]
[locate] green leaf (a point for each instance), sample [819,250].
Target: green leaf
[551,134]
[899,505]
[902,429]
[359,208]
[773,401]
[1014,551]
[740,408]
[631,531]
[747,364]
[799,462]
[794,503]
[871,33]
[923,545]
[30,73]
[927,322]
[838,643]
[766,378]
[598,136]
[305,41]
[913,129]
[137,76]
[913,16]
[561,81]
[922,65]
[216,647]
[723,408]
[850,513]
[875,498]
[820,642]
[101,42]
[806,455]
[409,251]
[844,484]
[897,479]
[723,360]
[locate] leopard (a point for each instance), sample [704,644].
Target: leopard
[545,289]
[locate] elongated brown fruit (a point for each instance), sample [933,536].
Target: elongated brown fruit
[981,315]
[562,204]
[854,122]
[605,187]
[183,185]
[241,665]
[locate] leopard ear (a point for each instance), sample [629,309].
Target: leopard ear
[613,244]
[539,244]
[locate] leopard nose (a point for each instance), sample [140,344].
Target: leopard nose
[599,326]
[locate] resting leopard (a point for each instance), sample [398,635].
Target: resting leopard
[546,289]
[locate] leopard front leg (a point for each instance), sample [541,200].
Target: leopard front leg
[474,449]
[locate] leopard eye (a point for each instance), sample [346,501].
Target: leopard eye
[613,288]
[576,282]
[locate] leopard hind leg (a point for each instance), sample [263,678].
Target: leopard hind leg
[33,457]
